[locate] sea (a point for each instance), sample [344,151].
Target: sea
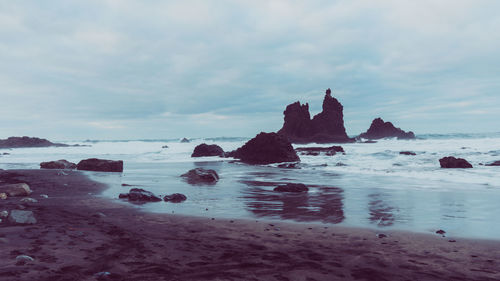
[371,185]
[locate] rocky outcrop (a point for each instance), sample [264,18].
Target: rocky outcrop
[201,176]
[16,189]
[292,187]
[325,127]
[100,165]
[496,163]
[59,164]
[329,151]
[407,153]
[21,217]
[266,148]
[139,195]
[185,140]
[380,129]
[175,198]
[20,142]
[207,150]
[452,162]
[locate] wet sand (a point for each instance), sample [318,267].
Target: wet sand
[78,235]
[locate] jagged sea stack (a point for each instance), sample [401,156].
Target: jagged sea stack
[325,127]
[380,129]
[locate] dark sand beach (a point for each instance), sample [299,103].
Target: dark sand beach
[78,235]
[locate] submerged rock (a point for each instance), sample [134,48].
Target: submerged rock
[201,176]
[452,162]
[407,153]
[496,163]
[329,151]
[59,164]
[266,148]
[380,129]
[292,187]
[289,166]
[139,195]
[100,165]
[21,217]
[16,189]
[207,150]
[325,127]
[175,198]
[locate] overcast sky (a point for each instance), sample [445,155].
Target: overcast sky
[164,69]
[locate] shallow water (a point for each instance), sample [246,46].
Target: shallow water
[374,187]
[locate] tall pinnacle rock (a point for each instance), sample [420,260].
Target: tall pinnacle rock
[325,127]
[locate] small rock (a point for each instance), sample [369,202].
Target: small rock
[24,258]
[29,200]
[452,162]
[4,214]
[175,198]
[3,196]
[21,217]
[139,194]
[289,166]
[452,241]
[292,187]
[45,196]
[99,215]
[185,140]
[59,164]
[201,176]
[100,165]
[440,232]
[381,235]
[102,275]
[496,163]
[165,146]
[407,153]
[20,207]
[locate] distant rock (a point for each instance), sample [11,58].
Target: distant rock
[207,150]
[59,164]
[165,146]
[266,148]
[292,187]
[175,198]
[496,163]
[20,142]
[139,195]
[407,153]
[452,162]
[16,189]
[329,151]
[184,140]
[100,165]
[325,127]
[201,176]
[21,217]
[380,129]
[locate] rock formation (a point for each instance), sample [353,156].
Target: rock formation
[266,148]
[325,127]
[175,198]
[496,163]
[452,162]
[380,129]
[100,165]
[139,195]
[292,187]
[201,176]
[19,142]
[59,164]
[207,150]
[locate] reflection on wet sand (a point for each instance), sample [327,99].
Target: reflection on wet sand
[319,204]
[381,212]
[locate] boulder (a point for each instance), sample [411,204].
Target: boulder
[3,196]
[266,148]
[452,162]
[175,198]
[496,163]
[184,140]
[18,142]
[140,195]
[100,165]
[15,189]
[201,176]
[292,187]
[21,217]
[329,151]
[325,127]
[407,153]
[380,129]
[207,150]
[59,164]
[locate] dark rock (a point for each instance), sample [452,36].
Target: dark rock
[175,198]
[140,195]
[407,153]
[266,148]
[21,217]
[369,141]
[289,166]
[329,151]
[496,163]
[16,189]
[207,150]
[380,129]
[381,235]
[165,146]
[59,164]
[325,127]
[292,187]
[184,140]
[100,165]
[5,153]
[201,176]
[441,232]
[452,162]
[18,142]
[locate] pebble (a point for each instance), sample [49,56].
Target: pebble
[4,214]
[24,258]
[3,196]
[452,241]
[45,196]
[29,200]
[381,235]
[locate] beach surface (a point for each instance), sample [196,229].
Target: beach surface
[81,236]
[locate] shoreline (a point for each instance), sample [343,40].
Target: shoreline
[79,235]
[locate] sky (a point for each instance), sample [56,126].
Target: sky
[111,69]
